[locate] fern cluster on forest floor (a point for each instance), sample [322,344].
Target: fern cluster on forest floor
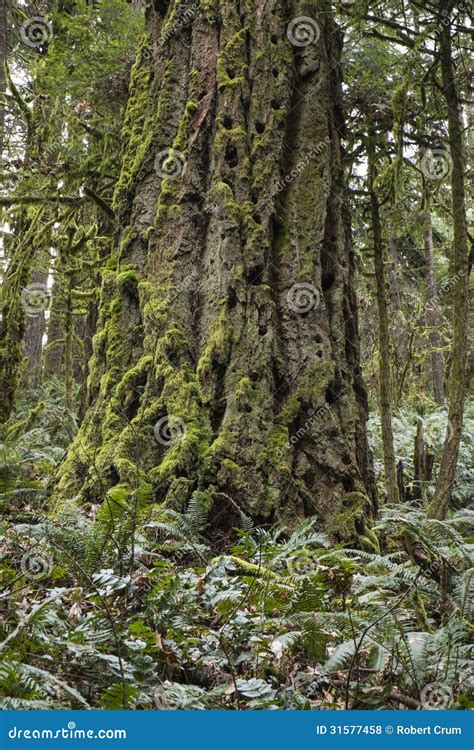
[127,605]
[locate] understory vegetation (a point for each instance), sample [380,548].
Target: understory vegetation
[127,605]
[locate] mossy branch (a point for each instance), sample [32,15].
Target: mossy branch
[31,200]
[25,110]
[251,569]
[100,202]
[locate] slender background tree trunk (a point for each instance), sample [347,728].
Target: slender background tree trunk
[433,316]
[385,366]
[460,271]
[226,369]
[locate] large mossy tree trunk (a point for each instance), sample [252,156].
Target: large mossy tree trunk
[226,366]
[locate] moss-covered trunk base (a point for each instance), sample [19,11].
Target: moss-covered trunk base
[226,370]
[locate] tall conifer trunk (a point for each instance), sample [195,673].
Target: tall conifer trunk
[385,360]
[226,367]
[433,315]
[460,270]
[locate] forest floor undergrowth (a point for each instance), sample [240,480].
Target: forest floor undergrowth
[130,607]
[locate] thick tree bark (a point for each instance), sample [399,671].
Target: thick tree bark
[385,367]
[433,316]
[226,367]
[460,271]
[13,317]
